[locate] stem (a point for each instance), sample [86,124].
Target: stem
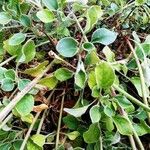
[132,99]
[41,123]
[75,18]
[7,60]
[6,120]
[138,139]
[59,121]
[43,43]
[44,113]
[21,94]
[29,131]
[54,55]
[132,142]
[143,86]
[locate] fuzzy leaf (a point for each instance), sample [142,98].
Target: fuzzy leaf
[4,18]
[63,74]
[93,134]
[36,70]
[76,112]
[104,36]
[28,52]
[73,135]
[67,47]
[105,75]
[93,15]
[17,39]
[49,81]
[38,139]
[95,114]
[25,105]
[51,4]
[7,84]
[45,16]
[123,125]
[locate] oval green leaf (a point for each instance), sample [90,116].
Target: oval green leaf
[67,47]
[17,39]
[123,125]
[63,74]
[4,18]
[51,4]
[25,105]
[7,84]
[45,16]
[105,75]
[93,134]
[104,36]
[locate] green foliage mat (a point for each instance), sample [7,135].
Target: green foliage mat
[74,74]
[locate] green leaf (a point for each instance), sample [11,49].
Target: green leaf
[51,4]
[63,74]
[93,134]
[17,144]
[67,47]
[92,58]
[45,16]
[91,79]
[12,49]
[105,75]
[94,13]
[71,122]
[125,103]
[88,46]
[95,92]
[37,69]
[95,114]
[110,56]
[49,82]
[108,111]
[104,36]
[142,128]
[123,125]
[80,75]
[73,135]
[25,20]
[10,74]
[22,83]
[76,112]
[17,39]
[28,52]
[38,139]
[28,118]
[137,83]
[32,146]
[4,18]
[25,105]
[7,85]
[5,146]
[142,48]
[140,2]
[2,71]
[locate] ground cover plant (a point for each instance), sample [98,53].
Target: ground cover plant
[74,74]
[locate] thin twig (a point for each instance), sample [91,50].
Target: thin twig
[29,131]
[6,120]
[44,114]
[7,60]
[75,18]
[59,121]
